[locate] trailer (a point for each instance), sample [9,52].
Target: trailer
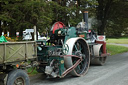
[15,57]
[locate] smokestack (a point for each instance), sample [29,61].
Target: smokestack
[85,16]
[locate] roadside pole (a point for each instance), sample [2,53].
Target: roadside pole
[35,34]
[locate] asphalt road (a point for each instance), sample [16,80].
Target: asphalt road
[125,45]
[114,72]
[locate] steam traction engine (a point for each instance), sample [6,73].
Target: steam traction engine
[70,50]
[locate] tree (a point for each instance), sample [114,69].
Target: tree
[18,15]
[103,13]
[110,14]
[118,22]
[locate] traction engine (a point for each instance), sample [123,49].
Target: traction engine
[70,50]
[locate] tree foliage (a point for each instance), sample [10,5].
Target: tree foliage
[18,15]
[111,16]
[118,22]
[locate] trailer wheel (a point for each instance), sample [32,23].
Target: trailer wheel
[3,78]
[78,47]
[18,77]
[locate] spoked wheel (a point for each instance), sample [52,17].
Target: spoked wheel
[78,47]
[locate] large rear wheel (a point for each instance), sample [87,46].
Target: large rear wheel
[78,47]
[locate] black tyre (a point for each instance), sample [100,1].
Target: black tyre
[18,77]
[2,78]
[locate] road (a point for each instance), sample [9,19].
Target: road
[125,45]
[114,72]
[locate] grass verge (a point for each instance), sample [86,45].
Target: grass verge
[118,40]
[114,49]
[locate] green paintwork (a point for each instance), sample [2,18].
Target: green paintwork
[63,32]
[43,56]
[71,33]
[84,34]
[44,51]
[68,33]
[61,65]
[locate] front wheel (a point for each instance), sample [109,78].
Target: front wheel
[18,77]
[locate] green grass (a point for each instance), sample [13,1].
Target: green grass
[32,71]
[114,49]
[118,40]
